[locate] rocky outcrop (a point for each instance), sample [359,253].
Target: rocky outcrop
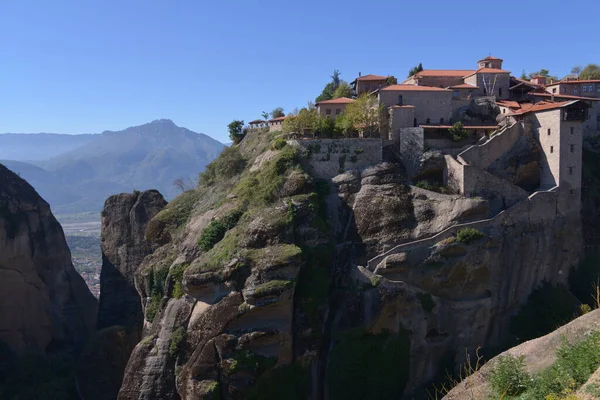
[120,319]
[44,303]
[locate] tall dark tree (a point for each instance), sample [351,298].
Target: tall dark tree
[277,113]
[329,89]
[415,70]
[591,71]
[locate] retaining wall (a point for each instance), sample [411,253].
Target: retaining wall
[483,155]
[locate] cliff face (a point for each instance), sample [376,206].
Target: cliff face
[44,303]
[120,317]
[261,288]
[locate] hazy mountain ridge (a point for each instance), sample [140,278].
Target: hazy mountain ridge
[142,157]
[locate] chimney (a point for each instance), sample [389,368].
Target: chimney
[359,74]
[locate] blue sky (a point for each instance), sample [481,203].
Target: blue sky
[82,66]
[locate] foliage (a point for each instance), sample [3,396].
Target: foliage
[391,80]
[35,376]
[543,72]
[229,163]
[591,71]
[272,287]
[174,216]
[264,115]
[305,120]
[458,132]
[291,382]
[235,129]
[364,365]
[415,70]
[468,235]
[508,377]
[278,143]
[176,273]
[313,282]
[325,127]
[247,360]
[215,231]
[548,307]
[365,114]
[330,88]
[177,340]
[576,70]
[155,290]
[277,112]
[426,301]
[263,186]
[375,280]
[343,90]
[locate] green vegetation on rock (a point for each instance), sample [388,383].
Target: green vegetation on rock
[215,231]
[156,290]
[173,217]
[247,360]
[229,163]
[273,287]
[468,235]
[508,378]
[177,340]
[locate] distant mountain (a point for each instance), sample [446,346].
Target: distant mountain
[149,156]
[38,146]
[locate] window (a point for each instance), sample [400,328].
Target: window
[441,121]
[571,191]
[338,111]
[551,149]
[584,88]
[591,89]
[455,94]
[427,121]
[553,90]
[571,170]
[572,130]
[400,100]
[576,91]
[499,92]
[572,148]
[328,111]
[564,89]
[548,131]
[415,122]
[598,88]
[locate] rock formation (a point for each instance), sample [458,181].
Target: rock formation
[44,303]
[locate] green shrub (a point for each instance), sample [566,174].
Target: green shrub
[458,132]
[174,216]
[468,235]
[215,231]
[273,287]
[177,340]
[375,280]
[426,301]
[155,290]
[177,278]
[247,360]
[548,307]
[358,150]
[508,376]
[279,143]
[229,163]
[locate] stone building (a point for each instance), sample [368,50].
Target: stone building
[257,124]
[332,108]
[575,87]
[431,105]
[276,124]
[368,83]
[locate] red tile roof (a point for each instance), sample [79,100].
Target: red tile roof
[278,119]
[488,71]
[543,106]
[445,72]
[371,77]
[341,100]
[465,126]
[413,88]
[508,103]
[490,58]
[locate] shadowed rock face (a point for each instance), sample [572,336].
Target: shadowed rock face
[120,318]
[44,303]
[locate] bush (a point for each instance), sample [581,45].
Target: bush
[229,163]
[468,235]
[177,279]
[548,307]
[458,132]
[177,340]
[508,376]
[215,231]
[279,143]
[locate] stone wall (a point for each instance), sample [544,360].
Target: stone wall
[431,107]
[412,146]
[326,158]
[483,155]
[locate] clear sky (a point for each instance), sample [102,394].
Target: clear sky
[83,66]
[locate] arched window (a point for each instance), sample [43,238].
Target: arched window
[415,122]
[441,121]
[427,121]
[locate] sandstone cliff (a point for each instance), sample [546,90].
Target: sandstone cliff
[44,303]
[261,285]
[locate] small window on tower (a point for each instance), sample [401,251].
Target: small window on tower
[428,121]
[572,148]
[551,149]
[548,131]
[571,170]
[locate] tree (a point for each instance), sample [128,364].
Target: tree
[458,132]
[277,113]
[576,70]
[365,115]
[523,75]
[543,72]
[179,183]
[265,115]
[305,120]
[343,90]
[591,71]
[235,129]
[335,78]
[415,70]
[391,80]
[329,89]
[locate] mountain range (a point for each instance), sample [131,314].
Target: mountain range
[76,173]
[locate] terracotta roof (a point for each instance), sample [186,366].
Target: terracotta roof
[562,96]
[490,58]
[573,81]
[341,100]
[465,126]
[445,72]
[257,121]
[488,71]
[278,119]
[544,106]
[413,88]
[464,86]
[371,77]
[508,103]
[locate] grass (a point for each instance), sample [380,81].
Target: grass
[229,163]
[575,363]
[273,287]
[173,217]
[468,235]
